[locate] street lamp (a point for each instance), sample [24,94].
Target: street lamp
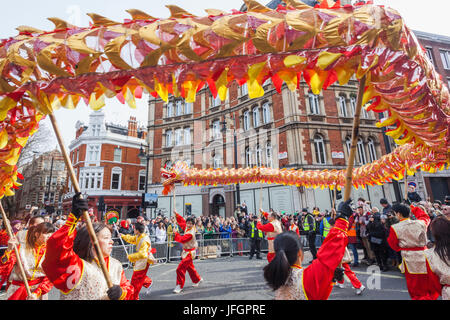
[145,155]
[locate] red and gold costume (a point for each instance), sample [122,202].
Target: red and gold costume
[271,229]
[76,278]
[349,272]
[439,275]
[293,227]
[410,238]
[142,259]
[187,257]
[315,281]
[32,259]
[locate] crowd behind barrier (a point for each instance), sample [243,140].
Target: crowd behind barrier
[208,248]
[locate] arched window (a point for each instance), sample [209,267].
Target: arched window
[269,156]
[216,129]
[348,143]
[361,152]
[258,156]
[248,157]
[187,136]
[256,119]
[343,105]
[372,150]
[168,138]
[314,103]
[179,107]
[319,148]
[246,120]
[353,104]
[266,113]
[187,108]
[170,109]
[178,137]
[216,161]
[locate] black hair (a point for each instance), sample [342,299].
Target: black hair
[383,201]
[402,209]
[82,244]
[439,229]
[190,219]
[286,245]
[139,227]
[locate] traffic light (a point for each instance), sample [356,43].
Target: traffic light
[101,204]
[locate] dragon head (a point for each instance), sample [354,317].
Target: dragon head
[175,174]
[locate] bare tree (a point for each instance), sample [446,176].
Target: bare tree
[41,142]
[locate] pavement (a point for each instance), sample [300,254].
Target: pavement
[238,278]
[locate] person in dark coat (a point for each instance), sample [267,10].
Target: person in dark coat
[413,196]
[378,240]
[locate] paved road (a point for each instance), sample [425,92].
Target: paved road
[238,278]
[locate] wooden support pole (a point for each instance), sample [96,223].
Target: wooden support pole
[355,134]
[16,250]
[406,181]
[76,186]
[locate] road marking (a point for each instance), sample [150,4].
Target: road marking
[381,274]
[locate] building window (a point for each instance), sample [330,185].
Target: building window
[99,180]
[96,130]
[215,102]
[348,143]
[117,155]
[353,103]
[168,138]
[343,106]
[445,57]
[216,161]
[178,137]
[314,103]
[256,119]
[430,54]
[319,148]
[187,136]
[216,129]
[361,152]
[269,155]
[170,109]
[244,89]
[116,178]
[141,180]
[248,157]
[258,156]
[93,153]
[246,120]
[187,108]
[372,150]
[179,107]
[266,113]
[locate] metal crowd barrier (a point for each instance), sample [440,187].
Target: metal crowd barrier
[209,246]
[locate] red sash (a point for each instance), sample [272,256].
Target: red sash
[21,292]
[414,249]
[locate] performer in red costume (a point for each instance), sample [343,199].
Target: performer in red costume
[189,247]
[438,258]
[142,258]
[72,266]
[272,229]
[290,281]
[410,238]
[31,252]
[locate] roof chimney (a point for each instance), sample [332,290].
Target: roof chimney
[132,127]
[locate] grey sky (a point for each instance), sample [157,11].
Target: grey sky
[429,16]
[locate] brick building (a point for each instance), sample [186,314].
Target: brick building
[106,162]
[436,185]
[44,183]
